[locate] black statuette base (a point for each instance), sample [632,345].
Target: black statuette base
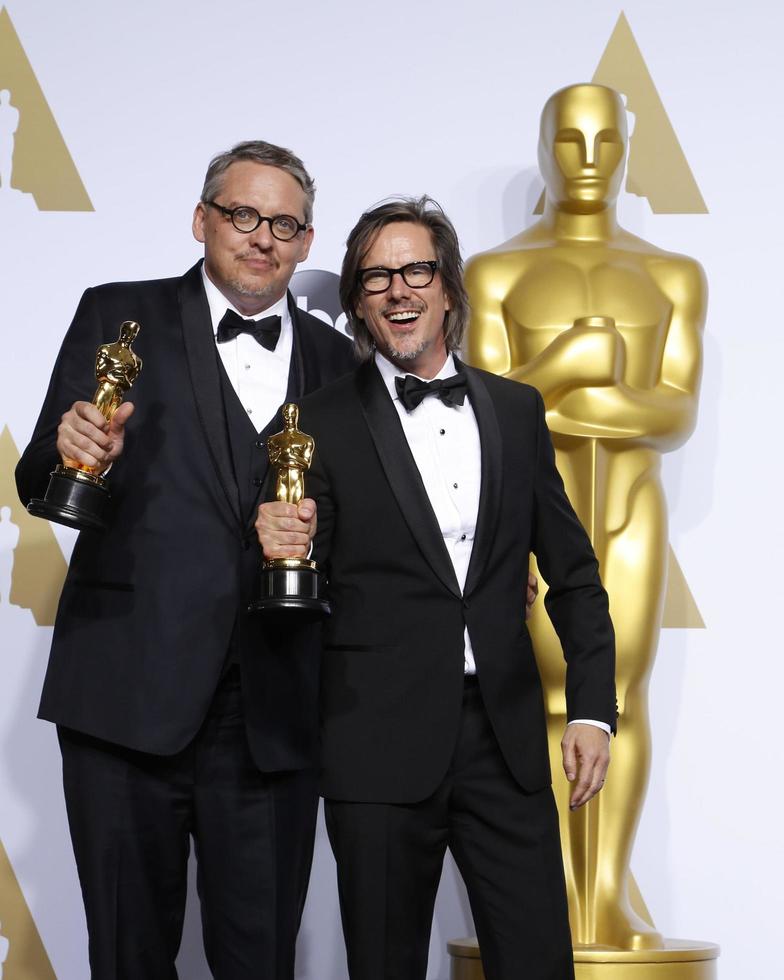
[292,583]
[75,499]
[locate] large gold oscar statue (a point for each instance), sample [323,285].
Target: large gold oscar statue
[608,328]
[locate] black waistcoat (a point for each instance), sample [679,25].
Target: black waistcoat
[251,466]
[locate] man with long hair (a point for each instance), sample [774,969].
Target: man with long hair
[433,482]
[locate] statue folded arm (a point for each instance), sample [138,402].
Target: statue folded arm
[661,417]
[574,359]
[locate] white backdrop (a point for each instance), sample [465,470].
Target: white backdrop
[442,97]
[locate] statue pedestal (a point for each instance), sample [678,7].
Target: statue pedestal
[679,959]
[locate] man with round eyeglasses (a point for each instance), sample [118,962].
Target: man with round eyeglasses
[180,715]
[284,227]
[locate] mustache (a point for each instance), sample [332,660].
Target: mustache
[417,306]
[253,253]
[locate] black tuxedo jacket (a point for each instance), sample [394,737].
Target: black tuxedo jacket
[392,675]
[151,609]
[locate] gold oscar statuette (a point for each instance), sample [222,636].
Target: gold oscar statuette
[291,583]
[77,495]
[608,327]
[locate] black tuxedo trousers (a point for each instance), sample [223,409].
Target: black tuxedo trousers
[505,843]
[151,615]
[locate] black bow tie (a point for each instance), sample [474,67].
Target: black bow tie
[411,391]
[265,332]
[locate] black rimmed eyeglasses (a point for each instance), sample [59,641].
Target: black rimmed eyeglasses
[415,274]
[284,227]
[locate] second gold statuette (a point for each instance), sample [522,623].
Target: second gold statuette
[291,583]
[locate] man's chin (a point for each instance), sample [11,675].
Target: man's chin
[405,354]
[252,290]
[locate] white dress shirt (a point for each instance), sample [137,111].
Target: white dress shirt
[259,376]
[444,441]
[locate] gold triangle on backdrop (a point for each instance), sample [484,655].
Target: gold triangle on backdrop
[39,565]
[680,609]
[42,165]
[658,169]
[26,959]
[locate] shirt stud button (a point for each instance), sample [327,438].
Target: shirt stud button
[442,432]
[454,485]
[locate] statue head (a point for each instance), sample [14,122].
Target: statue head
[290,414]
[582,147]
[128,332]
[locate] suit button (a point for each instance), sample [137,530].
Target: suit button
[257,481]
[465,604]
[259,444]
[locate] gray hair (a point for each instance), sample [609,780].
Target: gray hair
[260,152]
[419,211]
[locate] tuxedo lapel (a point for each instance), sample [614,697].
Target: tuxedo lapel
[402,473]
[304,359]
[199,341]
[492,469]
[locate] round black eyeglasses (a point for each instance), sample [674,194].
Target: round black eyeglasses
[284,227]
[415,274]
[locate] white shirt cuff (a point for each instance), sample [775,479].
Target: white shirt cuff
[588,721]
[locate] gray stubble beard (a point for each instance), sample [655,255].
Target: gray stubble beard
[264,292]
[410,355]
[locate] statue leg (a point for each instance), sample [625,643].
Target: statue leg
[107,400]
[633,570]
[282,486]
[288,485]
[597,840]
[295,485]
